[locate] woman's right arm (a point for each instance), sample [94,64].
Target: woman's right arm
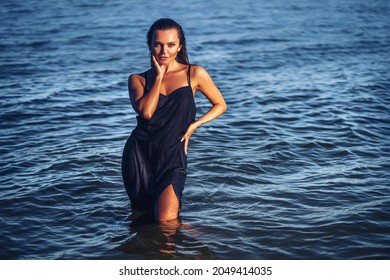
[145,103]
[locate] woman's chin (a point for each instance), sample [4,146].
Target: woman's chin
[163,62]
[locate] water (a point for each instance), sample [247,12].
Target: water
[297,168]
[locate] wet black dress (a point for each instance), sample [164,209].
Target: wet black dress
[153,157]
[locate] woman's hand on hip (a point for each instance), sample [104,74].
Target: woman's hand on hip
[186,137]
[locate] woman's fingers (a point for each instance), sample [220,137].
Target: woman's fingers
[186,145]
[154,61]
[156,64]
[186,137]
[160,68]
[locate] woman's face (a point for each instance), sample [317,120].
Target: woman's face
[165,45]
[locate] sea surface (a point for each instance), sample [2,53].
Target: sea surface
[297,168]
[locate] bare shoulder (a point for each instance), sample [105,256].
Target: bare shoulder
[136,80]
[198,71]
[200,76]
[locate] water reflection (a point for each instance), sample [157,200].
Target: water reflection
[169,240]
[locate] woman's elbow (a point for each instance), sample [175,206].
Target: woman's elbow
[146,115]
[223,107]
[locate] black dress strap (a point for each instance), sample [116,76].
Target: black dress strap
[189,75]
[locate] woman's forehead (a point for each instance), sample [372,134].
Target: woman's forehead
[168,35]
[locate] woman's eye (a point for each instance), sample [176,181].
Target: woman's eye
[171,45]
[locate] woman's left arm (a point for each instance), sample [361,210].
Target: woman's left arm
[205,85]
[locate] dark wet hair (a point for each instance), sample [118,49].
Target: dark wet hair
[165,24]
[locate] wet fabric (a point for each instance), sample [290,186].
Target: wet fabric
[153,157]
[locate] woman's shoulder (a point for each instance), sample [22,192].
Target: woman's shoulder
[197,71]
[196,68]
[136,78]
[139,75]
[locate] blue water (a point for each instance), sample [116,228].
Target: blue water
[297,168]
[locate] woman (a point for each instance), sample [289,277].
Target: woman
[154,159]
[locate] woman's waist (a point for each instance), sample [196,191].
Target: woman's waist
[159,125]
[148,131]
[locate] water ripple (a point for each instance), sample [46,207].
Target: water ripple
[297,168]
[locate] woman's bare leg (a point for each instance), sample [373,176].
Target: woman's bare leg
[167,205]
